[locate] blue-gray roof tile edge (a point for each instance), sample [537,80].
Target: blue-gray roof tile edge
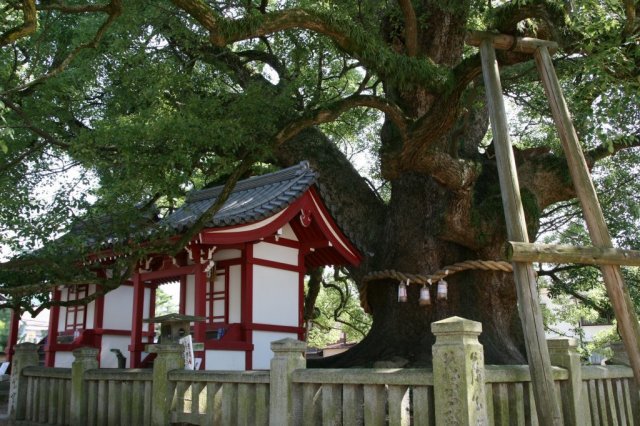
[252,199]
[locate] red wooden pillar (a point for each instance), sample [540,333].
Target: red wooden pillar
[152,312]
[13,333]
[136,347]
[52,338]
[183,295]
[200,304]
[301,324]
[98,320]
[246,297]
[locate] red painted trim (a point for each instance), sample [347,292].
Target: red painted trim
[98,318]
[200,300]
[278,265]
[272,327]
[54,318]
[136,322]
[227,295]
[116,332]
[246,316]
[183,295]
[72,313]
[230,346]
[354,258]
[169,273]
[13,333]
[281,241]
[301,335]
[310,201]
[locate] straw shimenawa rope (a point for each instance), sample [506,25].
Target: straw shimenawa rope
[483,265]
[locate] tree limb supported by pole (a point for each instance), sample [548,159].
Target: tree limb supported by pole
[553,253]
[530,312]
[616,289]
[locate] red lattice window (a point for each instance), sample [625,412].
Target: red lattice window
[76,315]
[217,297]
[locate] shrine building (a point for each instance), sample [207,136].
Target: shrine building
[243,274]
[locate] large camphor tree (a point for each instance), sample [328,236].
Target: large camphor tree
[137,102]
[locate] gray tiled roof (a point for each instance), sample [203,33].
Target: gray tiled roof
[252,199]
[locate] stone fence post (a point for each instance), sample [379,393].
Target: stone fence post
[564,353]
[458,373]
[169,357]
[84,359]
[288,356]
[25,355]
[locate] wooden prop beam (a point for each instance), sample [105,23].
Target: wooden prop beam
[529,307]
[552,253]
[511,43]
[616,289]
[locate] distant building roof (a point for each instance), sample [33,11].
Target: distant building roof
[251,200]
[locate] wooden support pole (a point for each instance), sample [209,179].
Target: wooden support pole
[508,42]
[616,289]
[528,305]
[553,253]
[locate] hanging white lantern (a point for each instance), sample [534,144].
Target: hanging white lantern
[441,293]
[425,295]
[402,292]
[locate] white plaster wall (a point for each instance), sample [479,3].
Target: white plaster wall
[91,307]
[190,294]
[107,358]
[287,232]
[235,288]
[63,359]
[227,254]
[262,353]
[63,311]
[276,253]
[224,360]
[145,308]
[118,308]
[275,296]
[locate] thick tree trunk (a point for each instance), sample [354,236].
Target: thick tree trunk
[413,241]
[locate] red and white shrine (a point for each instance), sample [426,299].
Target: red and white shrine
[244,273]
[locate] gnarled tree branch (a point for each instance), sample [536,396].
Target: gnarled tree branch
[333,111]
[410,27]
[29,24]
[113,9]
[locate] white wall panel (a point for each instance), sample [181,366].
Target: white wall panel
[275,296]
[118,308]
[276,253]
[91,308]
[262,353]
[287,232]
[190,294]
[224,360]
[107,358]
[227,254]
[63,359]
[235,291]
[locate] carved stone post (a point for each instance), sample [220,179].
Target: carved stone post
[169,358]
[564,353]
[458,373]
[84,359]
[288,356]
[25,355]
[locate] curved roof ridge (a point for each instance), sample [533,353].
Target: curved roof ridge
[252,182]
[252,199]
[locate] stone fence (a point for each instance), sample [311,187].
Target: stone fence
[459,390]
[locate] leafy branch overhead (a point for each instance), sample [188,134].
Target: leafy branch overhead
[118,109]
